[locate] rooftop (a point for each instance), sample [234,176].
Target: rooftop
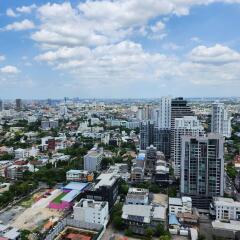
[105,179]
[76,186]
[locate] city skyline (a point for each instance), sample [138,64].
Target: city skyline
[119,49]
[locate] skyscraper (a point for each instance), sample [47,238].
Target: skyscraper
[164,121]
[179,109]
[186,126]
[221,121]
[18,104]
[163,126]
[202,172]
[146,134]
[1,105]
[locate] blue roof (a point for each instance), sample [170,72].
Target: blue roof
[141,156]
[173,220]
[75,186]
[70,196]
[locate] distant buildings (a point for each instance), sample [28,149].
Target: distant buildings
[92,160]
[1,105]
[18,104]
[90,211]
[49,124]
[202,172]
[221,120]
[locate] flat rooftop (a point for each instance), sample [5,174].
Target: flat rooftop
[105,179]
[75,186]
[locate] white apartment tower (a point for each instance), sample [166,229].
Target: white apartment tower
[164,118]
[221,120]
[185,126]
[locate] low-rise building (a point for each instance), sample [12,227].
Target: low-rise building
[140,217]
[138,196]
[88,210]
[180,205]
[9,233]
[79,176]
[92,160]
[105,189]
[226,208]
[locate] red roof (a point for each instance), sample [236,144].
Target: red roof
[78,236]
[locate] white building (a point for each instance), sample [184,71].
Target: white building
[186,126]
[79,175]
[180,205]
[20,153]
[226,208]
[221,120]
[137,196]
[92,160]
[164,117]
[91,211]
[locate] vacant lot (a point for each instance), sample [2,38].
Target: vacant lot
[37,214]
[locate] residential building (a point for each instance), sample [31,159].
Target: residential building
[221,120]
[105,189]
[202,168]
[8,232]
[79,176]
[226,209]
[92,160]
[146,134]
[90,211]
[164,120]
[180,205]
[137,196]
[185,126]
[140,217]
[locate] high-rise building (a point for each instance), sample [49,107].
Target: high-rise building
[221,120]
[164,119]
[1,105]
[18,104]
[202,168]
[146,134]
[179,109]
[162,141]
[185,126]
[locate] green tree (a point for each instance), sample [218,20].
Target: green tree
[149,232]
[165,237]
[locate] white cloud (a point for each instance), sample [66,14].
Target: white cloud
[171,46]
[11,13]
[20,26]
[92,43]
[64,53]
[26,9]
[158,27]
[217,54]
[2,58]
[9,69]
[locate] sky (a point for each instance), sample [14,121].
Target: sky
[119,48]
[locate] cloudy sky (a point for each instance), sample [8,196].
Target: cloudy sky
[119,48]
